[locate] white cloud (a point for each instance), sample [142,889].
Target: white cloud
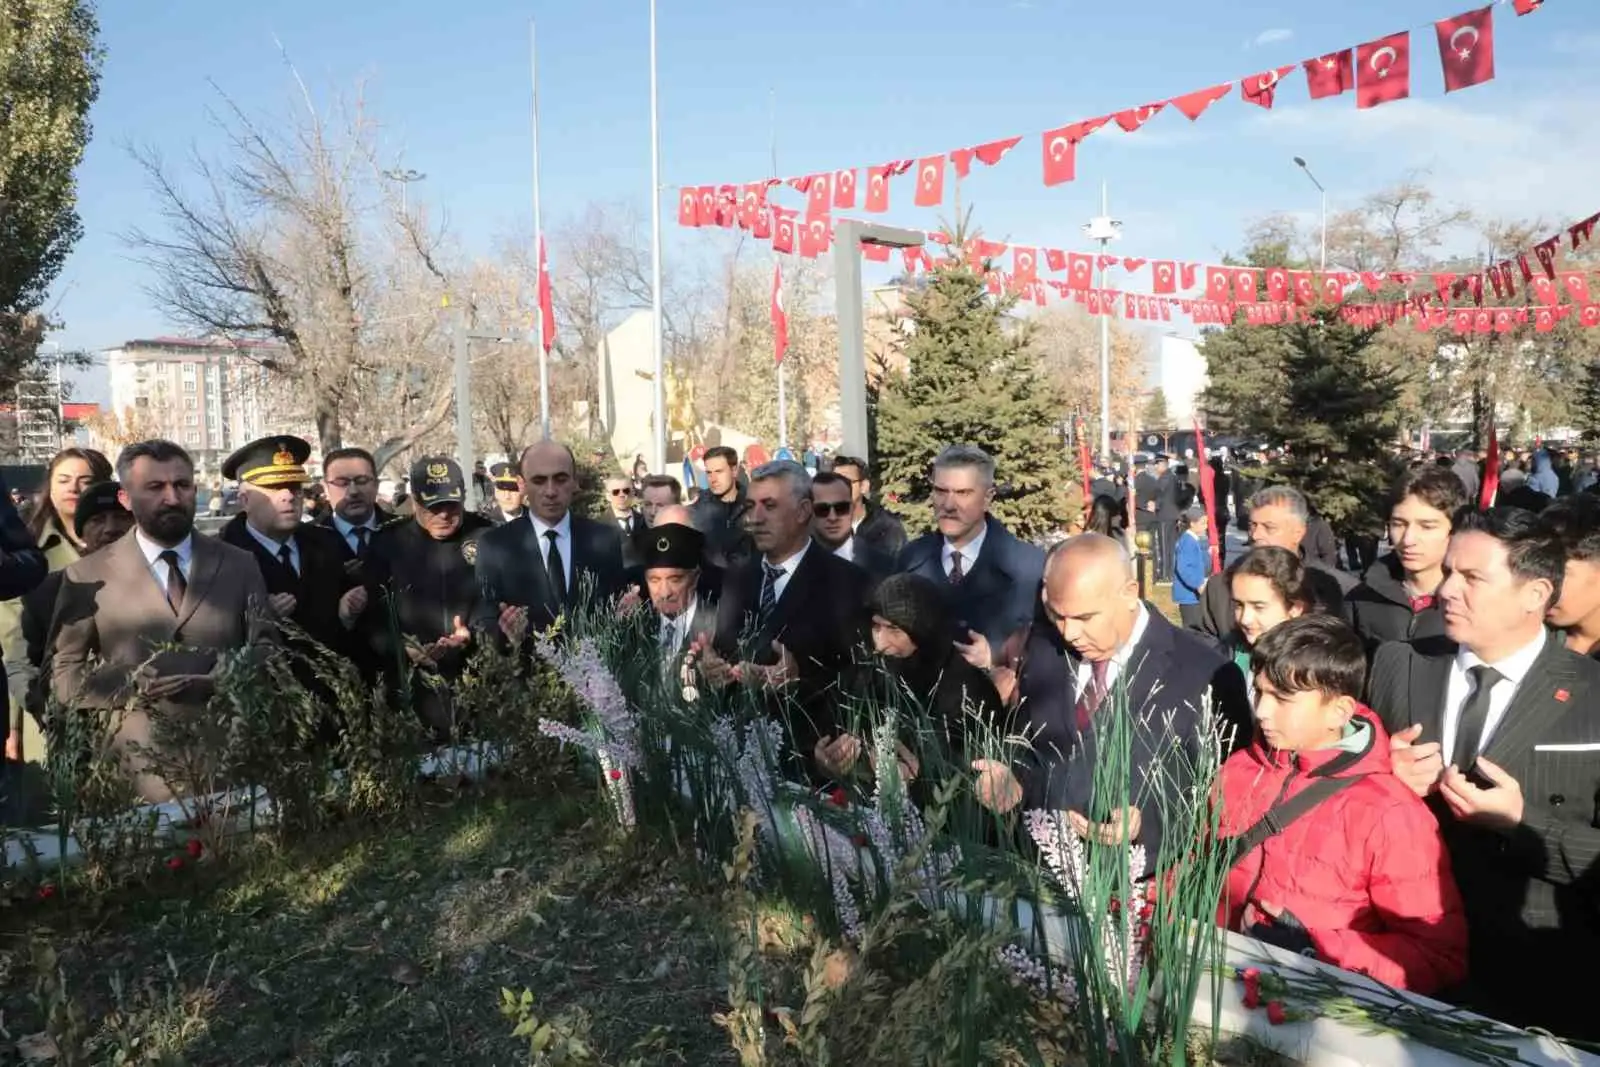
[1273,36]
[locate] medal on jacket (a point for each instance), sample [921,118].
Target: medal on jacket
[686,674]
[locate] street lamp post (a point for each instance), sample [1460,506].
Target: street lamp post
[1105,229]
[404,177]
[1301,163]
[848,236]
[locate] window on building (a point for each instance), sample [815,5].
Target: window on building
[191,420]
[188,385]
[190,402]
[192,437]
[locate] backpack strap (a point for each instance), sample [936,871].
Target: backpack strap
[1279,817]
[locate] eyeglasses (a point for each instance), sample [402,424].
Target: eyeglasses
[622,492]
[345,483]
[824,510]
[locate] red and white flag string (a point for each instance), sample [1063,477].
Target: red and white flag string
[1376,72]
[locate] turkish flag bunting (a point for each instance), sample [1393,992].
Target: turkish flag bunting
[1504,321]
[1576,286]
[1330,75]
[1260,89]
[1545,292]
[1055,259]
[961,160]
[991,153]
[782,231]
[1500,277]
[761,228]
[688,206]
[1130,264]
[1025,261]
[1332,289]
[1135,117]
[1527,7]
[708,204]
[1383,70]
[1483,321]
[1443,284]
[1186,273]
[876,253]
[1244,286]
[844,188]
[1589,317]
[1166,282]
[1545,321]
[878,188]
[1546,251]
[1080,270]
[1277,284]
[819,196]
[1061,149]
[1194,104]
[814,237]
[1466,48]
[1463,321]
[1582,231]
[930,181]
[1522,264]
[1219,283]
[1092,302]
[1372,280]
[752,204]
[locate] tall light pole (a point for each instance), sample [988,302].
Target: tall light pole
[658,383]
[404,177]
[1301,163]
[1105,229]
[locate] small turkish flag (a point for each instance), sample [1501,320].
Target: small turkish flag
[1025,262]
[991,153]
[547,308]
[780,316]
[727,205]
[1576,286]
[1462,322]
[1589,317]
[1135,117]
[1219,283]
[761,228]
[1483,321]
[1546,251]
[844,188]
[1332,289]
[1186,273]
[876,253]
[1061,149]
[1055,259]
[1080,270]
[1277,284]
[878,188]
[1330,75]
[1261,89]
[1194,104]
[688,207]
[814,235]
[1131,264]
[1545,292]
[1545,321]
[752,204]
[930,181]
[1244,286]
[1383,70]
[1527,7]
[1503,321]
[783,231]
[819,196]
[961,160]
[708,204]
[1466,48]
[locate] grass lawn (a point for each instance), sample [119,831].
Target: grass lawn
[392,947]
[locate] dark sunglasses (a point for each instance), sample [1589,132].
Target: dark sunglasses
[622,492]
[824,510]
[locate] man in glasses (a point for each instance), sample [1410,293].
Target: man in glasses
[832,527]
[350,477]
[619,498]
[872,524]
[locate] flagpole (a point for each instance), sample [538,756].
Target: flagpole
[538,236]
[658,383]
[783,393]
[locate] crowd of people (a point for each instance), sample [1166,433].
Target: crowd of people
[1412,779]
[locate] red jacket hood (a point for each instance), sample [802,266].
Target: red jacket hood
[1364,750]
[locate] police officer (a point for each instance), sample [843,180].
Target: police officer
[508,502]
[424,568]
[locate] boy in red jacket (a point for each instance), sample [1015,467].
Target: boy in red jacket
[1356,874]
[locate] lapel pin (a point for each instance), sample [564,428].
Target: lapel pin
[1562,695]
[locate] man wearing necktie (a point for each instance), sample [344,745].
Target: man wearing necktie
[302,563]
[148,615]
[350,476]
[684,611]
[1500,736]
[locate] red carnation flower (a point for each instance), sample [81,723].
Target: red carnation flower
[174,863]
[837,797]
[1252,996]
[859,840]
[616,776]
[1276,1014]
[194,848]
[47,891]
[1251,974]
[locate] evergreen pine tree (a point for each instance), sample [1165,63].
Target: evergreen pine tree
[972,378]
[1586,412]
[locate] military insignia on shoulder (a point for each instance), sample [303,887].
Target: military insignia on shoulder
[469,551]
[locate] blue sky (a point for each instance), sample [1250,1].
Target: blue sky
[857,82]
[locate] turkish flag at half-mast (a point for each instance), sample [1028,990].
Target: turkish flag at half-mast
[1383,70]
[930,181]
[1330,75]
[780,316]
[1466,48]
[547,310]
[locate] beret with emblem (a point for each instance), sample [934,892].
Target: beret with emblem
[270,462]
[437,480]
[672,545]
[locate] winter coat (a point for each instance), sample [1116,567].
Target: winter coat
[1544,479]
[1380,609]
[1365,872]
[1191,562]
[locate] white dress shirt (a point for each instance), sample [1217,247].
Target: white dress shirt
[563,531]
[158,567]
[274,547]
[847,550]
[675,631]
[348,532]
[787,567]
[969,552]
[1512,668]
[1119,660]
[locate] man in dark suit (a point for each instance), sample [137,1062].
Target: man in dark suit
[872,524]
[790,619]
[831,509]
[630,524]
[533,570]
[350,476]
[1501,738]
[1168,510]
[301,563]
[990,578]
[1278,517]
[1100,658]
[685,612]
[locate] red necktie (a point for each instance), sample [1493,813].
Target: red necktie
[1090,699]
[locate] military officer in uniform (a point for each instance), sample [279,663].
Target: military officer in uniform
[508,500]
[425,568]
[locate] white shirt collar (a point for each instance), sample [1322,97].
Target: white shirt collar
[969,551]
[1512,668]
[563,528]
[152,551]
[788,566]
[847,550]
